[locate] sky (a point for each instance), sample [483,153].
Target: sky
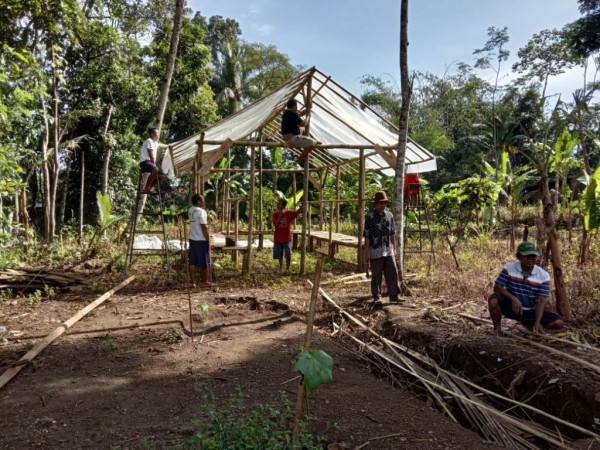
[348,39]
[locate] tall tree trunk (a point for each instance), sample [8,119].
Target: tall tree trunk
[63,193]
[107,150]
[81,199]
[46,177]
[166,83]
[406,86]
[563,306]
[56,159]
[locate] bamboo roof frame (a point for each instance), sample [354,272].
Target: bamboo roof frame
[329,156]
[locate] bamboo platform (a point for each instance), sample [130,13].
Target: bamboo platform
[336,238]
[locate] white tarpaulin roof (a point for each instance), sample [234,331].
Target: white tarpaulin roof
[337,118]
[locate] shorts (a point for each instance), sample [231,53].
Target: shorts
[199,254]
[279,248]
[148,166]
[528,316]
[301,141]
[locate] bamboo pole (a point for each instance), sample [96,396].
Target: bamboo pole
[320,146]
[223,199]
[228,216]
[361,211]
[200,158]
[305,215]
[28,357]
[248,260]
[562,341]
[307,343]
[337,198]
[322,197]
[236,229]
[236,169]
[331,248]
[260,195]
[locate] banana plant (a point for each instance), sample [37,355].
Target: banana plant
[562,160]
[106,220]
[496,179]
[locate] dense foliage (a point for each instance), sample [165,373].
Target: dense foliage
[79,84]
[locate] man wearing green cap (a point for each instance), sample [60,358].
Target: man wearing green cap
[521,293]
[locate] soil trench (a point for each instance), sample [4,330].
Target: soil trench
[553,384]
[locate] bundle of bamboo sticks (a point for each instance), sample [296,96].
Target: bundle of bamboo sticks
[28,280]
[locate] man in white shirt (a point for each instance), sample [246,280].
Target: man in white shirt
[199,248]
[148,161]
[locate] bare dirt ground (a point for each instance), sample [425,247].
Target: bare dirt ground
[108,384]
[124,376]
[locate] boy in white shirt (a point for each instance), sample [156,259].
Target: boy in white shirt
[199,247]
[148,161]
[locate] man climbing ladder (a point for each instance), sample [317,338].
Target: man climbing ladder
[148,154]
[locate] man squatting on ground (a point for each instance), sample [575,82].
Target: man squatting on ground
[148,154]
[521,292]
[292,127]
[199,249]
[380,249]
[282,223]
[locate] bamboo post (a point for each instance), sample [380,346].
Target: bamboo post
[223,200]
[361,210]
[305,206]
[200,158]
[195,177]
[228,208]
[322,192]
[305,216]
[28,357]
[260,196]
[331,248]
[294,236]
[338,174]
[248,259]
[307,342]
[236,228]
[310,240]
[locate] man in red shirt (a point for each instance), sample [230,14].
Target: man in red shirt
[282,223]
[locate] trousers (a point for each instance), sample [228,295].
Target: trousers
[385,266]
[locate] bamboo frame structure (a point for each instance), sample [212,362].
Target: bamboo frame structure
[313,90]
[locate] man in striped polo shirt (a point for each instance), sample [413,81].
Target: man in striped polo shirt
[521,293]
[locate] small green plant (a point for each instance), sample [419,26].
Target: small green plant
[49,291]
[34,298]
[190,370]
[172,337]
[234,424]
[203,307]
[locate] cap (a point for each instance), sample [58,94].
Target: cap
[526,249]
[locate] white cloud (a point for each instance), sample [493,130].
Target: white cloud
[264,29]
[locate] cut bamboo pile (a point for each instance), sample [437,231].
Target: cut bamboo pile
[477,405]
[28,280]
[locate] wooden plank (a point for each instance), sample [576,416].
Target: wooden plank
[28,357]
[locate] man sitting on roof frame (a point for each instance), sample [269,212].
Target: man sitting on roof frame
[292,127]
